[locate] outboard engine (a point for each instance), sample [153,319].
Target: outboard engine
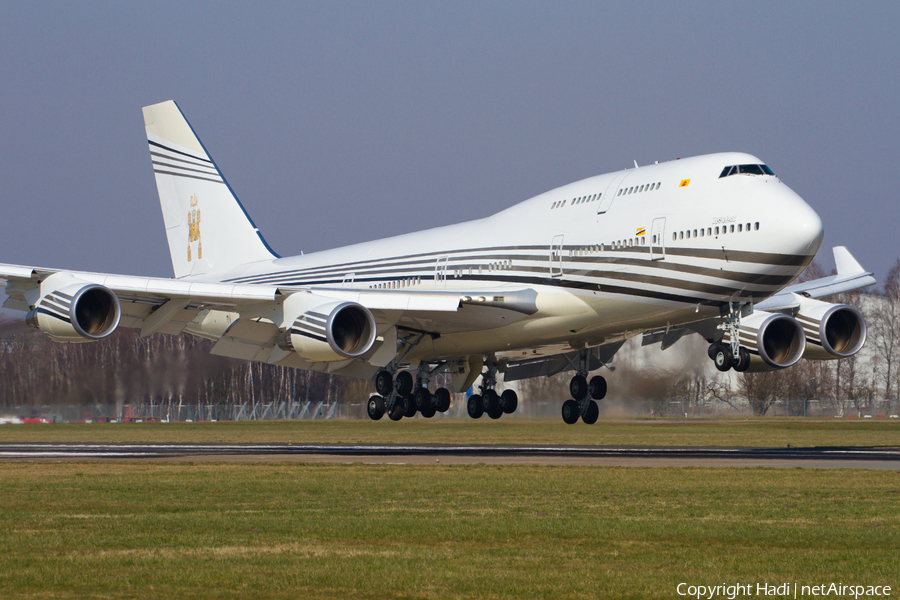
[832,330]
[76,312]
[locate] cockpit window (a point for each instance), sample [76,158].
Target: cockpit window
[746,170]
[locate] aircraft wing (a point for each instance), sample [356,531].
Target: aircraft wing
[168,305]
[850,276]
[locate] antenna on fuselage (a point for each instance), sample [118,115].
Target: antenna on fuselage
[635,164]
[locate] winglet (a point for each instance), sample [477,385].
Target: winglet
[845,263]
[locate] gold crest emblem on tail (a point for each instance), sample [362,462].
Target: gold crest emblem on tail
[194,229]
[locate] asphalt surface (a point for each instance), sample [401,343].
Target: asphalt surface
[825,457]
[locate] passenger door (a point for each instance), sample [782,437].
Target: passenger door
[610,193]
[658,239]
[556,250]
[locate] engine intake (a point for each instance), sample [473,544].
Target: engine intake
[832,330]
[76,313]
[330,332]
[775,341]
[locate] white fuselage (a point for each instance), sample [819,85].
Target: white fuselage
[609,256]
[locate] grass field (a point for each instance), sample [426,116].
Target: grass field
[161,530]
[767,432]
[227,530]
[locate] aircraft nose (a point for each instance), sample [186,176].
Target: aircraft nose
[806,226]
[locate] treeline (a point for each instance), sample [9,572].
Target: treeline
[125,368]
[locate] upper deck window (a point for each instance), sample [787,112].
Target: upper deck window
[746,170]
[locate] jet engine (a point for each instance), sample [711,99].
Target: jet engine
[832,330]
[327,332]
[78,312]
[774,340]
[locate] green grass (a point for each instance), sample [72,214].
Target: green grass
[162,530]
[765,432]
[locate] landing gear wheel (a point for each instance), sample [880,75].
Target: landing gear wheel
[384,383]
[592,414]
[397,413]
[578,387]
[375,407]
[597,388]
[427,411]
[490,401]
[409,405]
[509,400]
[570,412]
[496,413]
[474,406]
[404,382]
[422,398]
[442,400]
[723,358]
[744,363]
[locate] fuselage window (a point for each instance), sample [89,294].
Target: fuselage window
[701,233]
[695,233]
[642,189]
[740,227]
[619,194]
[674,236]
[643,241]
[709,231]
[654,239]
[680,235]
[748,226]
[717,231]
[757,226]
[732,229]
[688,234]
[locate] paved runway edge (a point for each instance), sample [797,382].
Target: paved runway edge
[134,451]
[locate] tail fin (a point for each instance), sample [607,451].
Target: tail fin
[208,229]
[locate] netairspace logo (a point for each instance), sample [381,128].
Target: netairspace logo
[781,590]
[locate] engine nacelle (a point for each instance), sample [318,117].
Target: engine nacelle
[78,312]
[775,341]
[832,330]
[327,332]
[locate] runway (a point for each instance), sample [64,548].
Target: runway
[819,457]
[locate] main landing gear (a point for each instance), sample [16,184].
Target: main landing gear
[402,397]
[730,354]
[489,401]
[584,395]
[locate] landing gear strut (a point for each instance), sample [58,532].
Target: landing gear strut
[730,354]
[585,394]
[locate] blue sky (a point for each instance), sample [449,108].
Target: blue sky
[338,122]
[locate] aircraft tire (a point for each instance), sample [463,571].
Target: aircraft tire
[423,399]
[384,383]
[496,413]
[474,406]
[442,399]
[427,411]
[597,387]
[375,408]
[723,358]
[409,405]
[404,382]
[490,401]
[592,414]
[578,387]
[509,400]
[744,363]
[570,412]
[397,413]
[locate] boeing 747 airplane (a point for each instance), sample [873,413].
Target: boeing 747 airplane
[707,245]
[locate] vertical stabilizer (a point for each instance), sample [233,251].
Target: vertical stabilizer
[207,228]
